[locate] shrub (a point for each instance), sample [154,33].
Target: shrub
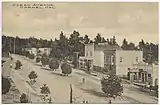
[26,53]
[50,100]
[18,65]
[66,69]
[23,98]
[54,64]
[157,90]
[31,56]
[3,62]
[45,61]
[5,85]
[32,76]
[45,90]
[111,86]
[38,59]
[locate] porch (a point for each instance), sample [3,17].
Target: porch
[140,76]
[85,63]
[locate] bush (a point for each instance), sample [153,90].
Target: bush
[111,86]
[23,98]
[54,64]
[3,62]
[66,69]
[5,85]
[26,53]
[45,61]
[31,56]
[45,90]
[32,76]
[157,90]
[18,65]
[38,59]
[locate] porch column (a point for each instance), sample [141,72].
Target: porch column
[141,76]
[79,63]
[92,64]
[146,77]
[131,77]
[137,75]
[83,64]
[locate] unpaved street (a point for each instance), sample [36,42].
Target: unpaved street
[59,85]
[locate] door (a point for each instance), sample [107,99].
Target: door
[143,77]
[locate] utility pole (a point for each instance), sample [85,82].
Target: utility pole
[14,45]
[71,93]
[28,98]
[10,49]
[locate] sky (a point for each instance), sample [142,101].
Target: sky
[133,21]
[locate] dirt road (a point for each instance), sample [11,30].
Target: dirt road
[90,91]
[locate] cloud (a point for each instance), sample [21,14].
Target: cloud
[120,19]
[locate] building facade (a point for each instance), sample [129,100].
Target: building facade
[144,73]
[44,50]
[109,58]
[118,61]
[37,51]
[88,58]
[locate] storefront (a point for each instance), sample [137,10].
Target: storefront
[85,63]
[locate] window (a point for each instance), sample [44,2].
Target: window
[90,53]
[136,59]
[120,59]
[105,59]
[112,59]
[149,75]
[86,53]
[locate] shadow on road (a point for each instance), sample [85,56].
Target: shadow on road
[37,64]
[93,92]
[46,69]
[141,90]
[58,74]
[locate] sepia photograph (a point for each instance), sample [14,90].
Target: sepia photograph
[79,52]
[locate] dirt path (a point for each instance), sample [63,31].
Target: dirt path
[91,91]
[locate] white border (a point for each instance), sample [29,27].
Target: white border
[73,1]
[83,0]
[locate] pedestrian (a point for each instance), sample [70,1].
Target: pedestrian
[83,80]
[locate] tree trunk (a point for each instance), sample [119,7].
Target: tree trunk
[110,102]
[71,94]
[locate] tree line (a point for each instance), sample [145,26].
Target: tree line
[66,46]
